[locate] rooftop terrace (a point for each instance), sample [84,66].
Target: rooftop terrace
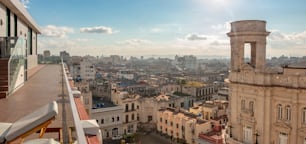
[46,84]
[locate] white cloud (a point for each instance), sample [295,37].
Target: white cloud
[193,37]
[280,43]
[156,30]
[97,29]
[277,35]
[83,39]
[25,3]
[135,42]
[55,31]
[222,27]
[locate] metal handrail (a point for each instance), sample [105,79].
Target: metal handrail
[77,122]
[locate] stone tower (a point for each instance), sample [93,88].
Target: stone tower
[267,106]
[252,32]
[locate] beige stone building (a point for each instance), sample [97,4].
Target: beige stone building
[110,119]
[131,110]
[181,125]
[149,106]
[266,106]
[211,110]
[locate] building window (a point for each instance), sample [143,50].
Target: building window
[279,112]
[177,125]
[171,123]
[161,119]
[113,119]
[251,106]
[288,113]
[102,121]
[118,118]
[133,116]
[242,105]
[161,128]
[166,121]
[283,138]
[8,22]
[150,118]
[15,26]
[304,115]
[304,140]
[126,107]
[133,107]
[126,118]
[182,104]
[247,135]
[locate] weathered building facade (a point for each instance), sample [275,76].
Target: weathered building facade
[266,106]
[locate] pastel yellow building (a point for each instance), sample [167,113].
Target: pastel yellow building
[181,125]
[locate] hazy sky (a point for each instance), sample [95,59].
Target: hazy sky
[163,27]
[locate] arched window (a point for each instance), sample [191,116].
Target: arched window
[288,113]
[242,105]
[279,112]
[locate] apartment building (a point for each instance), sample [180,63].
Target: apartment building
[181,126]
[125,74]
[87,69]
[130,111]
[18,45]
[110,118]
[199,90]
[266,105]
[212,110]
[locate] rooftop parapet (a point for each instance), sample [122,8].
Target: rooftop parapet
[248,26]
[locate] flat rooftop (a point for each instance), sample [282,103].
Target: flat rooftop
[43,86]
[98,102]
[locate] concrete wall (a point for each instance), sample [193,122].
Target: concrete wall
[2,20]
[22,30]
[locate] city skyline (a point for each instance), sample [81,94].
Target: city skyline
[160,27]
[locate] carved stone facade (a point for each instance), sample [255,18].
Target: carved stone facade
[266,107]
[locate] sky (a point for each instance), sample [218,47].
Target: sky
[163,27]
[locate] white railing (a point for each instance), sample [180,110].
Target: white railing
[76,118]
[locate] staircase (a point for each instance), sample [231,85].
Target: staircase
[3,77]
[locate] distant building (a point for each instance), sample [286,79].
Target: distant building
[125,74]
[87,69]
[181,126]
[65,56]
[47,53]
[199,90]
[131,108]
[109,117]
